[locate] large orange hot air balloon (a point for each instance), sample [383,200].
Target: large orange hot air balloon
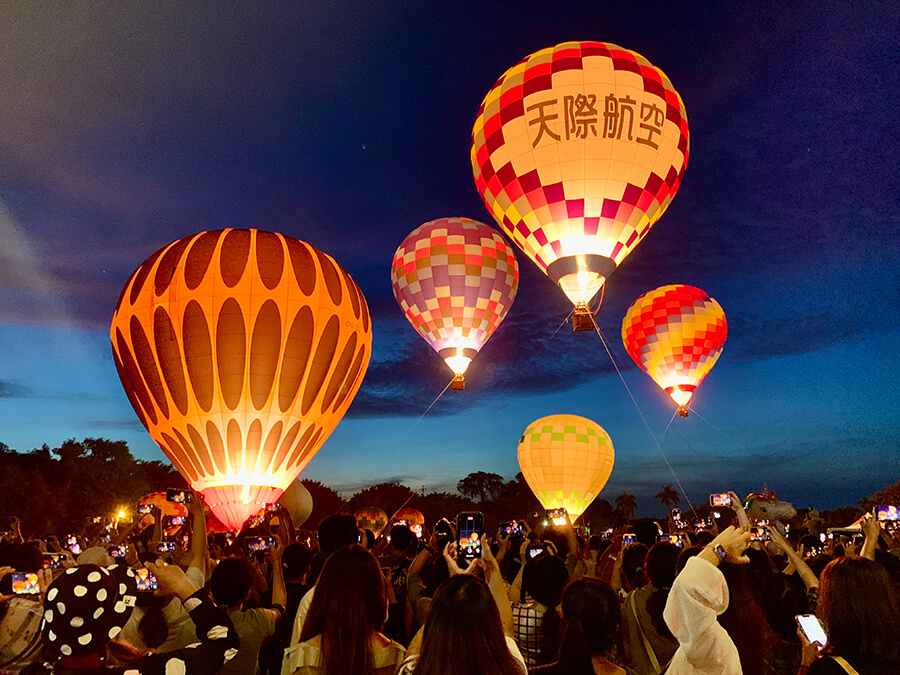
[577,151]
[675,334]
[240,351]
[566,460]
[455,279]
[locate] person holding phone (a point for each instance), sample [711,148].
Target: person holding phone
[20,621]
[859,609]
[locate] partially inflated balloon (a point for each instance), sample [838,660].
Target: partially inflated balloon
[240,351]
[298,502]
[566,460]
[675,334]
[455,279]
[577,151]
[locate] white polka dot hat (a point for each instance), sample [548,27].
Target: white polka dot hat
[86,607]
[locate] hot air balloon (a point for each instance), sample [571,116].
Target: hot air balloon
[455,279]
[240,351]
[566,461]
[675,334]
[577,151]
[371,518]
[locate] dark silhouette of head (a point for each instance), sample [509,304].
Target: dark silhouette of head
[591,614]
[337,530]
[230,581]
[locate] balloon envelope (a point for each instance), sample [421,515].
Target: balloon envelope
[240,351]
[566,460]
[411,515]
[675,334]
[577,151]
[298,502]
[455,279]
[371,518]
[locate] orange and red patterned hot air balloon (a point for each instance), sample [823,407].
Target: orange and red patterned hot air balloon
[455,279]
[240,351]
[675,334]
[577,151]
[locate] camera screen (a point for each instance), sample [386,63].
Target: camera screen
[25,583]
[145,580]
[471,528]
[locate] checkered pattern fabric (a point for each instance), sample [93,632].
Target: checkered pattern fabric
[579,149]
[455,279]
[566,461]
[675,334]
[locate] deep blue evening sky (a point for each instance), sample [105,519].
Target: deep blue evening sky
[124,126]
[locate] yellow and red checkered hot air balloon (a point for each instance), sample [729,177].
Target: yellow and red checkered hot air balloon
[577,151]
[675,334]
[240,351]
[455,279]
[566,460]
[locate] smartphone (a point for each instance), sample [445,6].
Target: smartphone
[98,519]
[557,516]
[178,520]
[255,521]
[398,523]
[72,544]
[104,539]
[702,524]
[671,539]
[54,561]
[720,499]
[25,583]
[606,534]
[118,551]
[416,530]
[271,508]
[628,539]
[676,514]
[146,582]
[759,534]
[144,509]
[165,547]
[470,526]
[534,550]
[178,496]
[812,629]
[883,513]
[255,544]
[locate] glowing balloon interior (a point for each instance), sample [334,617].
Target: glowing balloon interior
[240,351]
[675,334]
[566,461]
[577,151]
[455,279]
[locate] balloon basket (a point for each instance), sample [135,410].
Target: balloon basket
[682,411]
[582,320]
[459,383]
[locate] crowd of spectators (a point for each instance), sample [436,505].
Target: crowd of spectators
[721,596]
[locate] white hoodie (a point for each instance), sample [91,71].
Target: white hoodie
[698,596]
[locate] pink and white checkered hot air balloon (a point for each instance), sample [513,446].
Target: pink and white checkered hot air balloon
[455,279]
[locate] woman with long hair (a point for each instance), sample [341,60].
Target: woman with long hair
[469,626]
[860,611]
[342,631]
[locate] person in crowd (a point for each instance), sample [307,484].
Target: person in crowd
[591,619]
[339,529]
[20,615]
[294,566]
[699,594]
[469,626]
[648,643]
[860,611]
[342,631]
[86,606]
[536,622]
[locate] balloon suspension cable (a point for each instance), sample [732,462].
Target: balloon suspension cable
[539,351]
[644,419]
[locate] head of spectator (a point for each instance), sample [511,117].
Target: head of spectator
[230,582]
[783,598]
[686,555]
[859,606]
[543,579]
[645,532]
[348,608]
[464,630]
[659,568]
[591,615]
[633,565]
[95,555]
[402,539]
[294,563]
[337,530]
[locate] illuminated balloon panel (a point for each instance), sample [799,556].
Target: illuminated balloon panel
[455,280]
[577,151]
[240,351]
[675,334]
[566,460]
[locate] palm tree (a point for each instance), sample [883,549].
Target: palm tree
[626,505]
[668,496]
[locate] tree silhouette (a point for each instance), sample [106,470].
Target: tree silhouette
[626,505]
[668,496]
[481,486]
